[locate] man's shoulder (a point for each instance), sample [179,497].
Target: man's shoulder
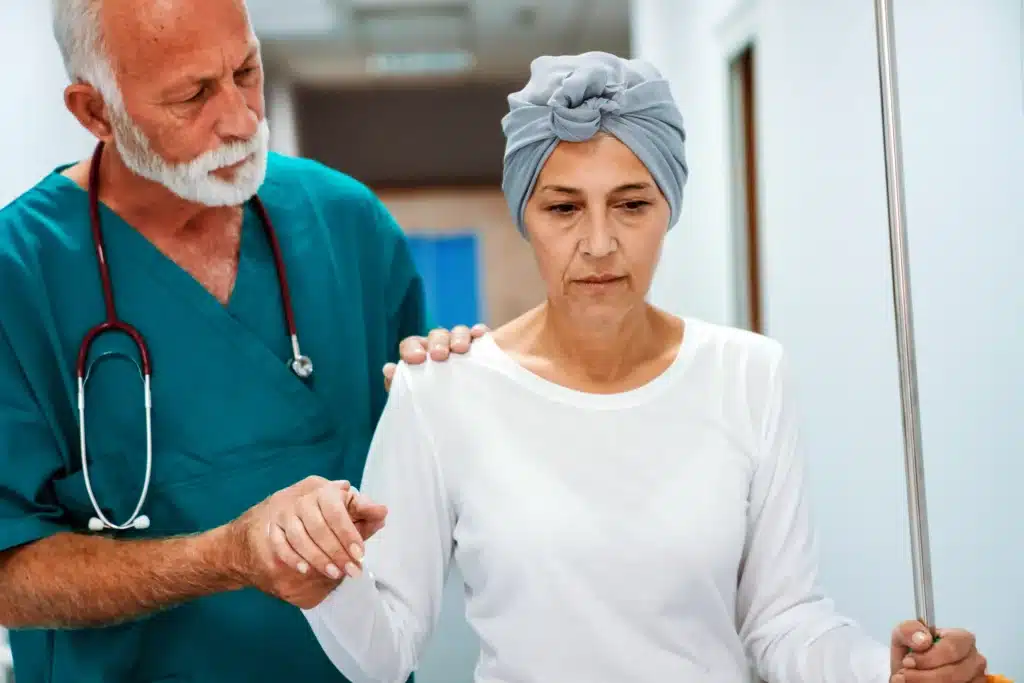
[51,217]
[48,201]
[341,201]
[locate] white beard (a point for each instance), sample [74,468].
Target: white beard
[193,180]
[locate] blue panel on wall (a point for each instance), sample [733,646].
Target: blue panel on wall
[449,264]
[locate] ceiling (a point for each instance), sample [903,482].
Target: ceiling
[317,41]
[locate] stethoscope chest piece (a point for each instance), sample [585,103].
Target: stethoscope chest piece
[302,366]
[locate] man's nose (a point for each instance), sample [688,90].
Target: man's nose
[237,121]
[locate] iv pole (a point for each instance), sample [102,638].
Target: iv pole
[924,600]
[914,462]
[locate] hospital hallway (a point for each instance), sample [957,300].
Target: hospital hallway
[785,230]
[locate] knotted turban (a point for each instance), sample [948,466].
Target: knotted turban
[572,98]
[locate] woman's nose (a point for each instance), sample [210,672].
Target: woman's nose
[598,236]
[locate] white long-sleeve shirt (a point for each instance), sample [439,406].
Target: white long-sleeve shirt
[660,534]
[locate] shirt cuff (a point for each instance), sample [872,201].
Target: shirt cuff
[345,616]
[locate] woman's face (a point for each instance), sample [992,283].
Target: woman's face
[596,221]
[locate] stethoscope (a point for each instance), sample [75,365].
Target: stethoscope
[300,364]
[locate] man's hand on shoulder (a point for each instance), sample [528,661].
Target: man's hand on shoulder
[439,344]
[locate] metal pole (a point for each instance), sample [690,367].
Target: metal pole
[920,552]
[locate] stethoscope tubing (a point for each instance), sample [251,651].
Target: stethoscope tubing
[300,364]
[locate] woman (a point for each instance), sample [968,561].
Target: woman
[620,488]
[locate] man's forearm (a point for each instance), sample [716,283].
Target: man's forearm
[74,581]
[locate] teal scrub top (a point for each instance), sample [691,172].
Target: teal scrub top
[231,423]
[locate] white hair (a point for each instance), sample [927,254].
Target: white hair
[79,34]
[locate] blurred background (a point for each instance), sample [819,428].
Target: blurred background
[784,229]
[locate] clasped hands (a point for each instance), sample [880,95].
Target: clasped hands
[302,541]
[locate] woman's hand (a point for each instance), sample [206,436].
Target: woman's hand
[953,659]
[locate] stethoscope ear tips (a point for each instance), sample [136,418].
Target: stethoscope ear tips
[141,522]
[95,524]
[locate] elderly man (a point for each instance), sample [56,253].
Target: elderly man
[151,295]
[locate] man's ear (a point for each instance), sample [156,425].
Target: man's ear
[86,104]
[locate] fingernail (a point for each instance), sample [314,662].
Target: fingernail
[898,678]
[302,567]
[920,638]
[333,571]
[353,571]
[356,552]
[909,663]
[439,347]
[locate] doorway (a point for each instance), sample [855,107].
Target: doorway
[745,201]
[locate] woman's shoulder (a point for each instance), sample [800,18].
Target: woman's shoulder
[458,372]
[733,352]
[730,339]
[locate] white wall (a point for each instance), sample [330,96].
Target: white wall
[827,285]
[676,37]
[39,133]
[280,104]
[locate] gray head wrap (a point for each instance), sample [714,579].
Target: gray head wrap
[572,98]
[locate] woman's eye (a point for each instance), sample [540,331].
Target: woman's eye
[564,209]
[637,205]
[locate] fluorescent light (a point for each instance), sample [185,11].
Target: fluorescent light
[420,62]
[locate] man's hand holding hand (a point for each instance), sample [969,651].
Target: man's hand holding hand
[299,543]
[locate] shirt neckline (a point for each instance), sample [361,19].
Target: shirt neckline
[631,397]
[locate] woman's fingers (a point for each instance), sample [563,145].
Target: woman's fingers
[298,537]
[283,550]
[318,530]
[367,516]
[346,542]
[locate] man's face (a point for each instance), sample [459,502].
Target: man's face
[191,115]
